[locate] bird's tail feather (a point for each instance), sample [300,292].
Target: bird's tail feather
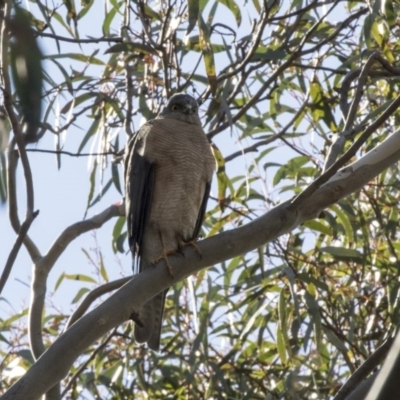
[150,316]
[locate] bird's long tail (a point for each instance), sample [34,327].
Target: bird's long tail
[151,315]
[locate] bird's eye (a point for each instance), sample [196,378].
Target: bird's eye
[174,107]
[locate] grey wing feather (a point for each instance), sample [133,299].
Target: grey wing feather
[202,211]
[139,180]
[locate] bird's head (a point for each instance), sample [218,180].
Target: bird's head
[183,107]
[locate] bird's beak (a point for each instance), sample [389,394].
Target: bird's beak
[188,109]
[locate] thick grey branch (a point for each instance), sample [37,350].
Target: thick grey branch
[364,370]
[55,363]
[87,362]
[387,384]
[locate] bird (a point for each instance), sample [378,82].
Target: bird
[169,165]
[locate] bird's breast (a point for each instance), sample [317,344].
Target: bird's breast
[184,164]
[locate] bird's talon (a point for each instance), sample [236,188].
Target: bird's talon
[181,253]
[164,256]
[136,318]
[194,245]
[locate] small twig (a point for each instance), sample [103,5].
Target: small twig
[87,362]
[80,41]
[68,153]
[278,135]
[128,79]
[15,250]
[93,295]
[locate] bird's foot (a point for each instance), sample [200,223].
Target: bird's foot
[135,317]
[192,243]
[164,256]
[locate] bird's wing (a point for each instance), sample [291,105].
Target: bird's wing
[202,211]
[139,181]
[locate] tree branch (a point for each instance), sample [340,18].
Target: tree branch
[92,296]
[20,230]
[87,362]
[46,263]
[387,384]
[55,363]
[79,41]
[68,153]
[15,250]
[372,362]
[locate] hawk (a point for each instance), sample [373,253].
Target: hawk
[168,171]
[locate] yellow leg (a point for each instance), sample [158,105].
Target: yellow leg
[164,256]
[192,243]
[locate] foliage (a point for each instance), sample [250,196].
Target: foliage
[296,317]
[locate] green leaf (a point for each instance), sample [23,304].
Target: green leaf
[265,53]
[73,277]
[70,4]
[321,108]
[280,344]
[282,312]
[221,176]
[290,170]
[367,29]
[318,226]
[233,7]
[193,10]
[115,177]
[77,57]
[103,191]
[103,271]
[80,294]
[92,130]
[92,181]
[79,100]
[116,234]
[86,6]
[313,309]
[193,43]
[108,19]
[130,47]
[345,221]
[343,253]
[3,178]
[79,277]
[26,70]
[208,54]
[257,6]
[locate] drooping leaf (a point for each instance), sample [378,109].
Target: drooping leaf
[194,8]
[26,67]
[208,54]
